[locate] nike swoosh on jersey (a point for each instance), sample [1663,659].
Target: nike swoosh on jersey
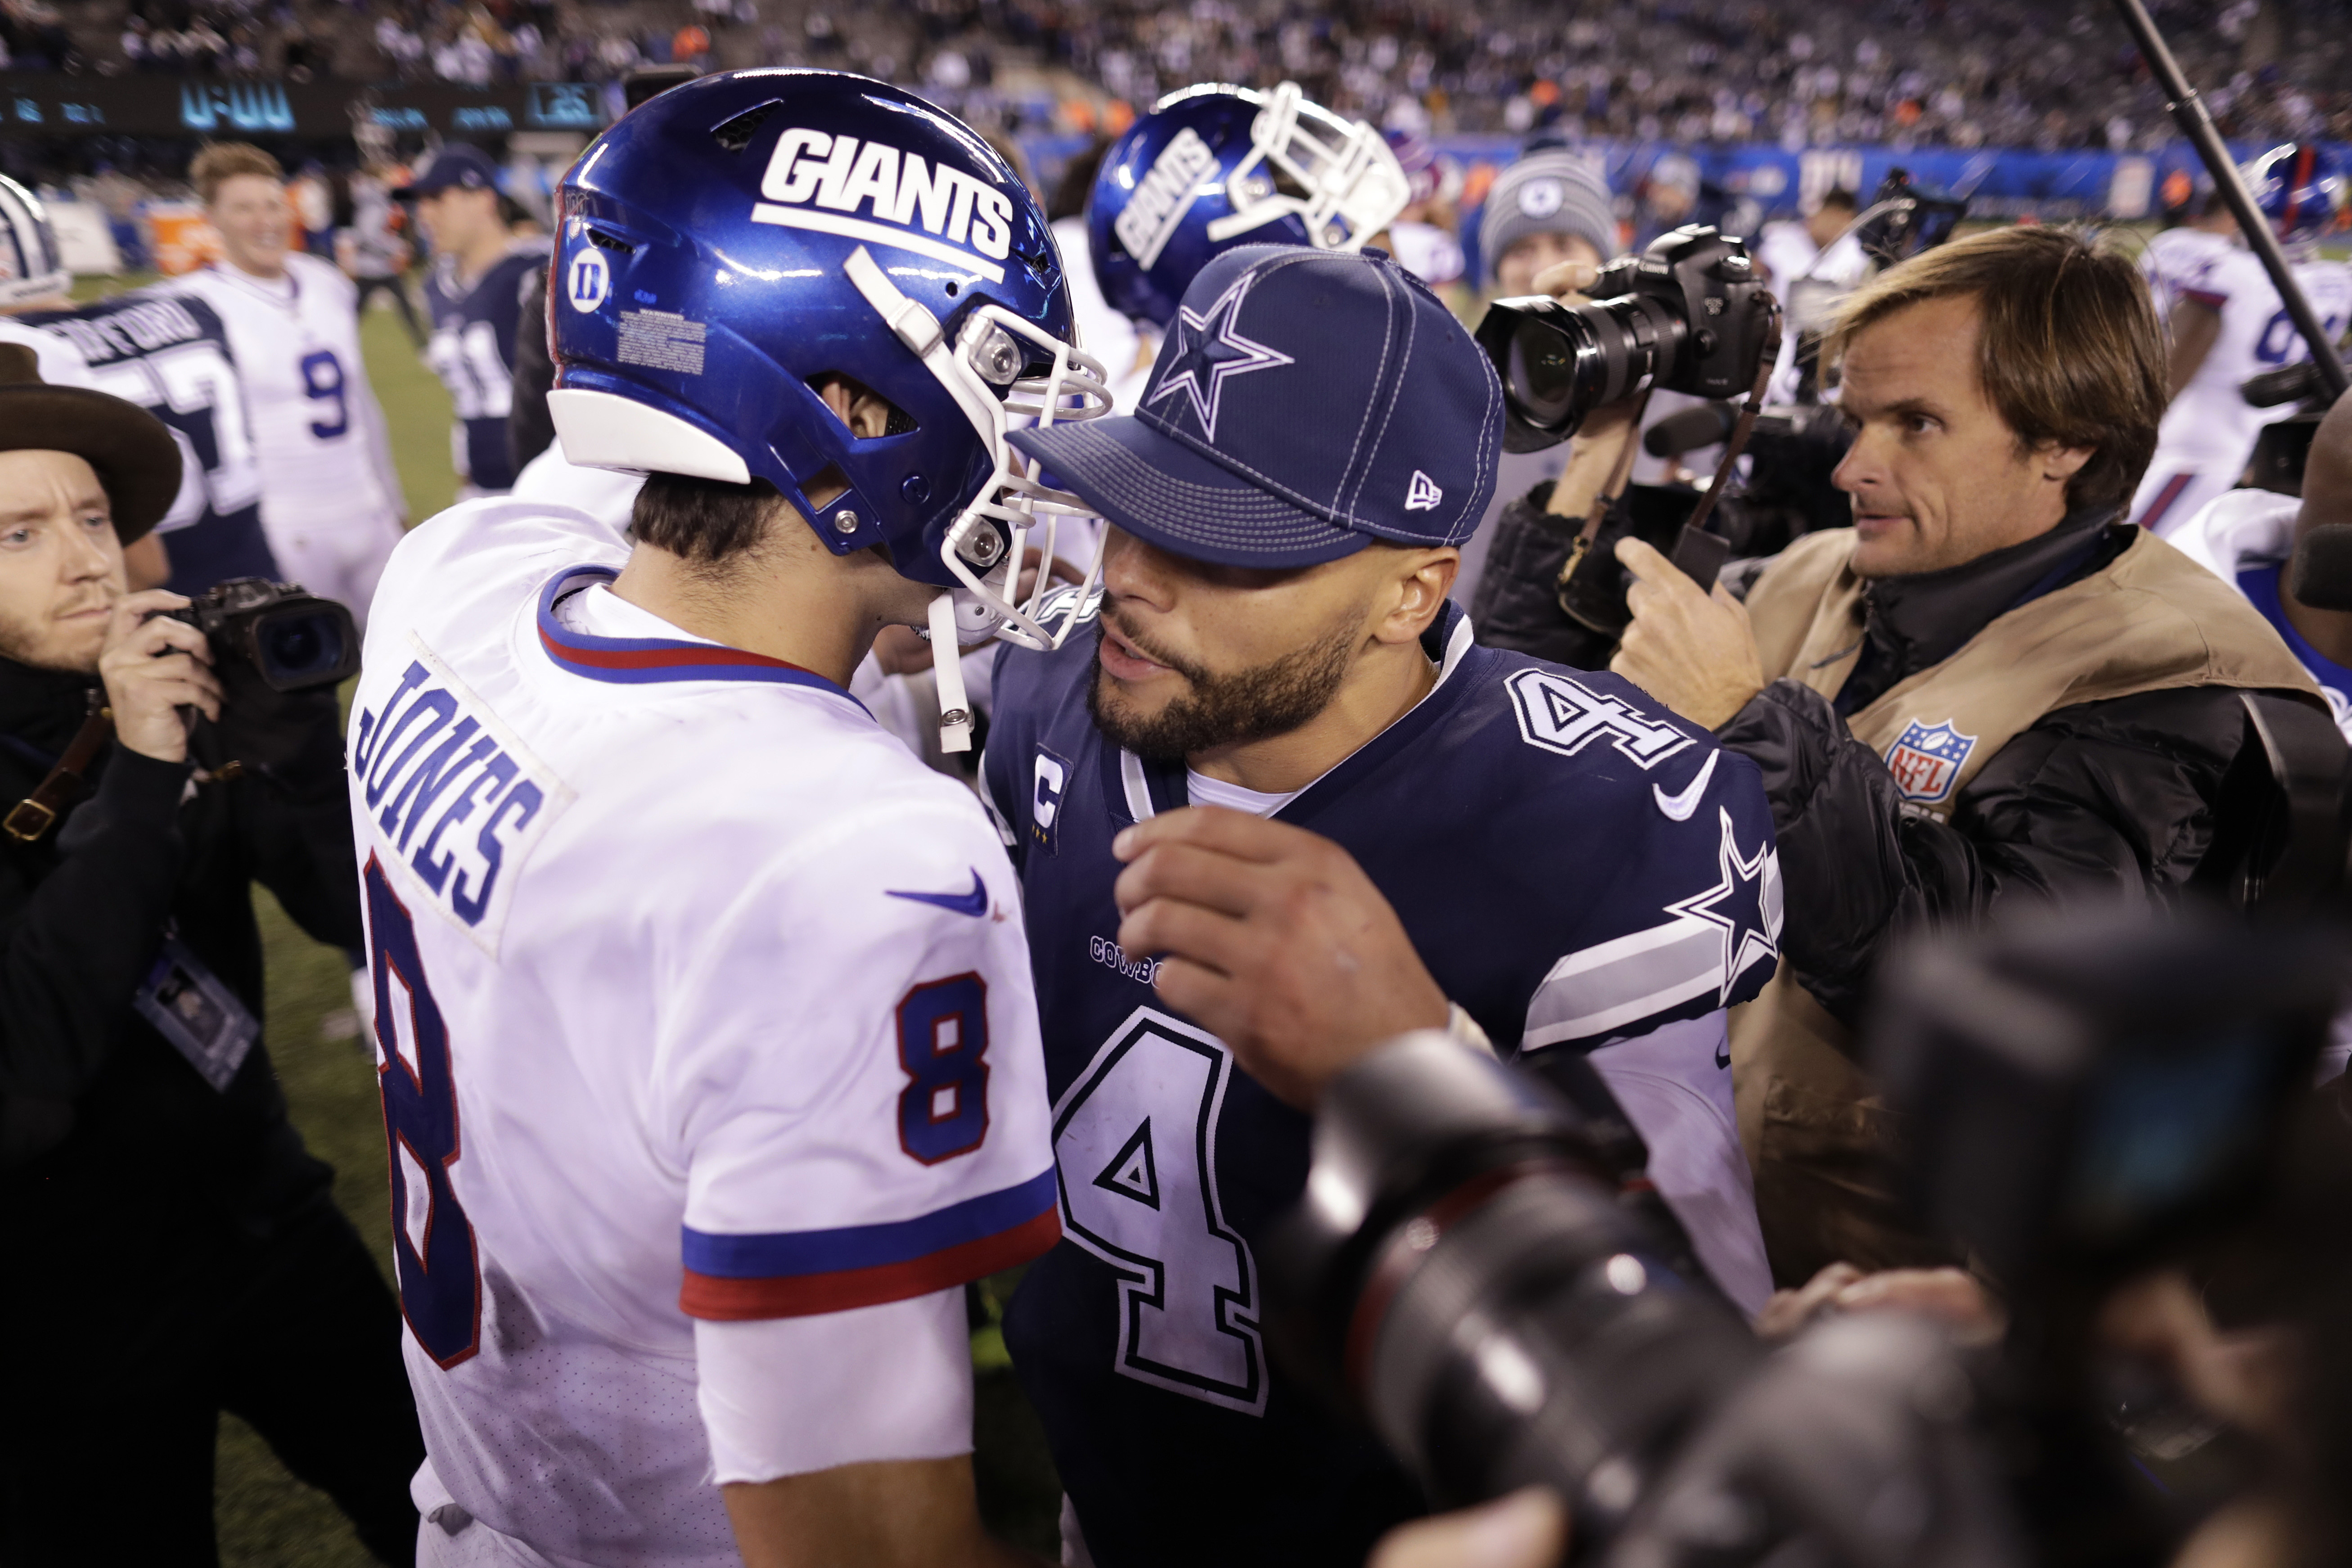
[1678,808]
[974,903]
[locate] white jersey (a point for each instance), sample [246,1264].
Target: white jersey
[2178,259]
[1101,331]
[731,1000]
[60,363]
[325,463]
[2209,431]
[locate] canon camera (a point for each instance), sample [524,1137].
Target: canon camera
[1687,315]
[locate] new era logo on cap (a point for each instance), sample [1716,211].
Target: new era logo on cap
[1306,404]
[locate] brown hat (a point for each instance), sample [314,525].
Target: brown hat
[131,451]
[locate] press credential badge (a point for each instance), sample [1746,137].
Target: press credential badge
[202,1017]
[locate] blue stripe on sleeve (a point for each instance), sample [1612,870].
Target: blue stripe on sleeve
[796,1252]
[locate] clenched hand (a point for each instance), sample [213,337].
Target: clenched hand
[1274,939]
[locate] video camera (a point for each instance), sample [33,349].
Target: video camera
[291,640]
[2084,1100]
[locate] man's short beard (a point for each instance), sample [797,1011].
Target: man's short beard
[1228,710]
[22,642]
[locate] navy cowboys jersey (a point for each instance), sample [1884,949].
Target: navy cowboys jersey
[1574,866]
[472,351]
[169,354]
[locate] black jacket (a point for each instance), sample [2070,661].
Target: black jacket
[111,1142]
[2112,798]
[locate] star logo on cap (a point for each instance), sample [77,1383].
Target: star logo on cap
[1206,350]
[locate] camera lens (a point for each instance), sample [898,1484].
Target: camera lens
[1558,363]
[1542,379]
[299,650]
[1463,1267]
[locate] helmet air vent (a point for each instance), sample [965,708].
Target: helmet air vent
[735,134]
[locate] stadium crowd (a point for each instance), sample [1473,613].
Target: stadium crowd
[783,887]
[1964,73]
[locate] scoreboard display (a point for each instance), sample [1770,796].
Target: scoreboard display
[40,104]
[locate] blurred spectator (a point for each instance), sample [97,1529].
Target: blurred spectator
[1787,250]
[371,251]
[1549,207]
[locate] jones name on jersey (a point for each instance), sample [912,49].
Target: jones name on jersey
[729,996]
[1576,867]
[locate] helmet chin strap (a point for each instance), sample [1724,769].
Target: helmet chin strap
[947,668]
[992,609]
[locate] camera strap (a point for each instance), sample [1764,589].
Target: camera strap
[38,811]
[1745,426]
[1598,513]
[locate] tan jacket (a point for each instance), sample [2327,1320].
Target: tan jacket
[2150,620]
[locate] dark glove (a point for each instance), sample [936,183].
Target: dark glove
[285,733]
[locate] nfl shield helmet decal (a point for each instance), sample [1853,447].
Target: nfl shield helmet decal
[1927,759]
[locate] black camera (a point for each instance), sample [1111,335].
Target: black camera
[1905,218]
[1472,1269]
[293,640]
[1687,315]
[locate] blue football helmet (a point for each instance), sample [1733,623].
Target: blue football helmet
[744,236]
[1216,166]
[2300,187]
[30,265]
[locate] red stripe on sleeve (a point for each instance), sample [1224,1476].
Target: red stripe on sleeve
[806,1295]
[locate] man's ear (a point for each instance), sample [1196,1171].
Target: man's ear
[867,415]
[2060,464]
[1422,579]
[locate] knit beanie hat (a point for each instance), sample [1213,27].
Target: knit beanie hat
[1547,192]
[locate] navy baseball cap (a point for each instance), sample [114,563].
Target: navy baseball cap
[457,166]
[1305,404]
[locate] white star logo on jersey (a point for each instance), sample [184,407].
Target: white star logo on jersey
[1744,941]
[1216,352]
[1422,494]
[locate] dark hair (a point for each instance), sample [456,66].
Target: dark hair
[2070,352]
[1842,199]
[704,521]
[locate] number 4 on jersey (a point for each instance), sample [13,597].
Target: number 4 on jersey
[1132,1142]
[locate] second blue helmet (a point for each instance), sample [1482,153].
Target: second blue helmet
[1216,166]
[2300,188]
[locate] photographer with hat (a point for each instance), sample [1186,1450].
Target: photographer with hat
[1279,771]
[173,1250]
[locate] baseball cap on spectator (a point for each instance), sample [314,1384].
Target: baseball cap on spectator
[1304,405]
[1548,192]
[457,166]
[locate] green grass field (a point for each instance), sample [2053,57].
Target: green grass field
[266,1517]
